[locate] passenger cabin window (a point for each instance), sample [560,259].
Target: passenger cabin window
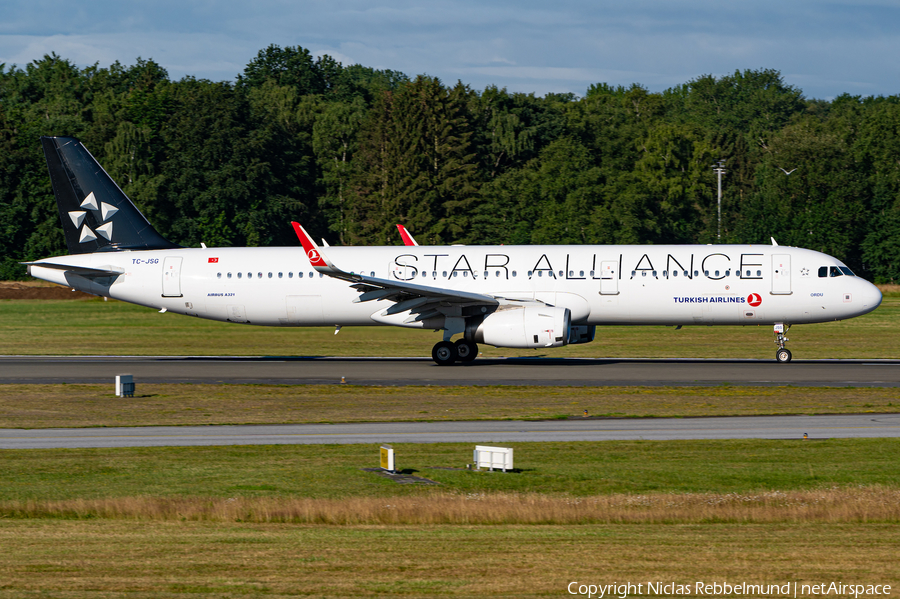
[560,274]
[259,274]
[758,273]
[229,275]
[580,273]
[686,274]
[281,275]
[514,273]
[219,275]
[654,273]
[696,273]
[290,275]
[239,275]
[299,275]
[674,273]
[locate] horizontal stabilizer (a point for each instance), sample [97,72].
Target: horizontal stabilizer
[83,271]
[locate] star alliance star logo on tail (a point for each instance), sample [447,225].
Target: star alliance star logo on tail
[102,212]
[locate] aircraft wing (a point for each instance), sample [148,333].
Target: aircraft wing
[424,301]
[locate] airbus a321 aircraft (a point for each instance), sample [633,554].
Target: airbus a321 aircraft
[505,296]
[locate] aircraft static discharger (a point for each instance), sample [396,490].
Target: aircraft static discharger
[506,296]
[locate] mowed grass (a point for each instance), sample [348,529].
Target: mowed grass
[178,559]
[92,327]
[84,405]
[279,521]
[578,469]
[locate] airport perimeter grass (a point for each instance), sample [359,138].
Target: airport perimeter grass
[278,521]
[95,327]
[577,469]
[162,560]
[282,521]
[84,405]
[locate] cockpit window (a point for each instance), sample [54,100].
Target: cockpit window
[846,271]
[834,271]
[823,272]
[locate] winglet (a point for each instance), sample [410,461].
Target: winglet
[316,259]
[407,238]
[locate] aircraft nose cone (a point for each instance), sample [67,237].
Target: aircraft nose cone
[875,296]
[870,295]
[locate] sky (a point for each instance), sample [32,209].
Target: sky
[823,48]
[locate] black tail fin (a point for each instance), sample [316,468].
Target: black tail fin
[96,215]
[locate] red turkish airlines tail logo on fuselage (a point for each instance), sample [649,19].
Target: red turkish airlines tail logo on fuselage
[754,299]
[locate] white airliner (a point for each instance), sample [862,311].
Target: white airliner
[505,296]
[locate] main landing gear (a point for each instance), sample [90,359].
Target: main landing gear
[783,354]
[445,353]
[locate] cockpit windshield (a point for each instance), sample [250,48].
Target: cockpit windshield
[834,271]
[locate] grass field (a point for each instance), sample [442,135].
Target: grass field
[92,327]
[80,405]
[200,559]
[299,520]
[577,469]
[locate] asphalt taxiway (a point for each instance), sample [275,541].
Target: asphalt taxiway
[422,371]
[505,431]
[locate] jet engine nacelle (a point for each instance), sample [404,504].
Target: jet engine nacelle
[526,327]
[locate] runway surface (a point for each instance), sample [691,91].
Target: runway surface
[422,371]
[506,431]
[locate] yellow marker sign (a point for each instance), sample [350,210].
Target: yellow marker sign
[387,457]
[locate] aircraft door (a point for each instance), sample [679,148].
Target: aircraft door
[781,274]
[171,284]
[609,277]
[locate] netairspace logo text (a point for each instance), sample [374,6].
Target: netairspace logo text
[719,589]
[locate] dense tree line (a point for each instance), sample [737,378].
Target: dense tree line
[350,151]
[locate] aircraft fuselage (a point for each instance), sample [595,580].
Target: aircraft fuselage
[600,285]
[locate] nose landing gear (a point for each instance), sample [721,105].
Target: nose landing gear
[783,354]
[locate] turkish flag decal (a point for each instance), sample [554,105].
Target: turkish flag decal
[213,261]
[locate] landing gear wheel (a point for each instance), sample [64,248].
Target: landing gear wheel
[783,355]
[466,351]
[444,353]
